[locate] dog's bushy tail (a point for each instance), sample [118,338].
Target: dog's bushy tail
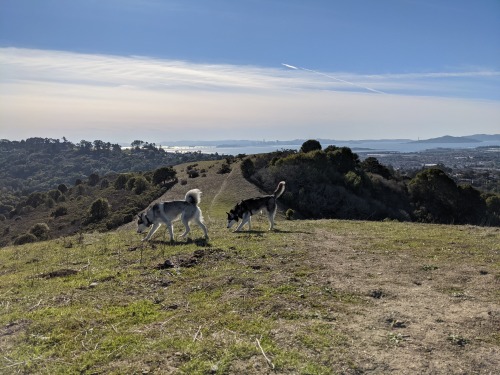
[193,196]
[279,190]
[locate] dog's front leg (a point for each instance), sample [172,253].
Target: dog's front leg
[151,231]
[171,231]
[244,220]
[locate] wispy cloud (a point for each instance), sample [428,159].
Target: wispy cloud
[52,93]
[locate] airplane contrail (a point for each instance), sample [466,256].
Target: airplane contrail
[332,77]
[290,66]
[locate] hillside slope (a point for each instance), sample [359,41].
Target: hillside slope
[220,192]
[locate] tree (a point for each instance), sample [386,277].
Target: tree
[343,159]
[247,168]
[99,145]
[163,175]
[93,179]
[372,165]
[435,196]
[84,146]
[137,144]
[310,145]
[471,208]
[140,185]
[98,210]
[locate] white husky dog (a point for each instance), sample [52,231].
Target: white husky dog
[170,211]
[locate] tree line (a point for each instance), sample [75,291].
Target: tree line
[334,183]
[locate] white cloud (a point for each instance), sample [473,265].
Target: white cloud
[55,94]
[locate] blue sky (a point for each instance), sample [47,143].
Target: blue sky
[121,70]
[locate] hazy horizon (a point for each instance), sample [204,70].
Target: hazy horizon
[214,142]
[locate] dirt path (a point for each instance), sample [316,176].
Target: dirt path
[216,196]
[415,318]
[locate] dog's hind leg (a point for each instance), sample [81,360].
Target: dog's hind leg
[152,231]
[202,226]
[185,221]
[271,215]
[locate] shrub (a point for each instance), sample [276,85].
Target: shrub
[62,188]
[54,194]
[120,182]
[40,231]
[130,183]
[224,168]
[59,211]
[5,208]
[128,218]
[35,199]
[50,203]
[104,184]
[25,238]
[353,180]
[114,222]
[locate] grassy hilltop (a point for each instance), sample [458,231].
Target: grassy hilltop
[312,297]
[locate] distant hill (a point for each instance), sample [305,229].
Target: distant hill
[486,137]
[449,139]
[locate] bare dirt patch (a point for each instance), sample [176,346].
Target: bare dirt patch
[415,318]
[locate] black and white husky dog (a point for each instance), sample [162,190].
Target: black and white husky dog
[246,208]
[170,211]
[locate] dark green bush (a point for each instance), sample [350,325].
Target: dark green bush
[40,231]
[59,211]
[25,238]
[121,181]
[98,210]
